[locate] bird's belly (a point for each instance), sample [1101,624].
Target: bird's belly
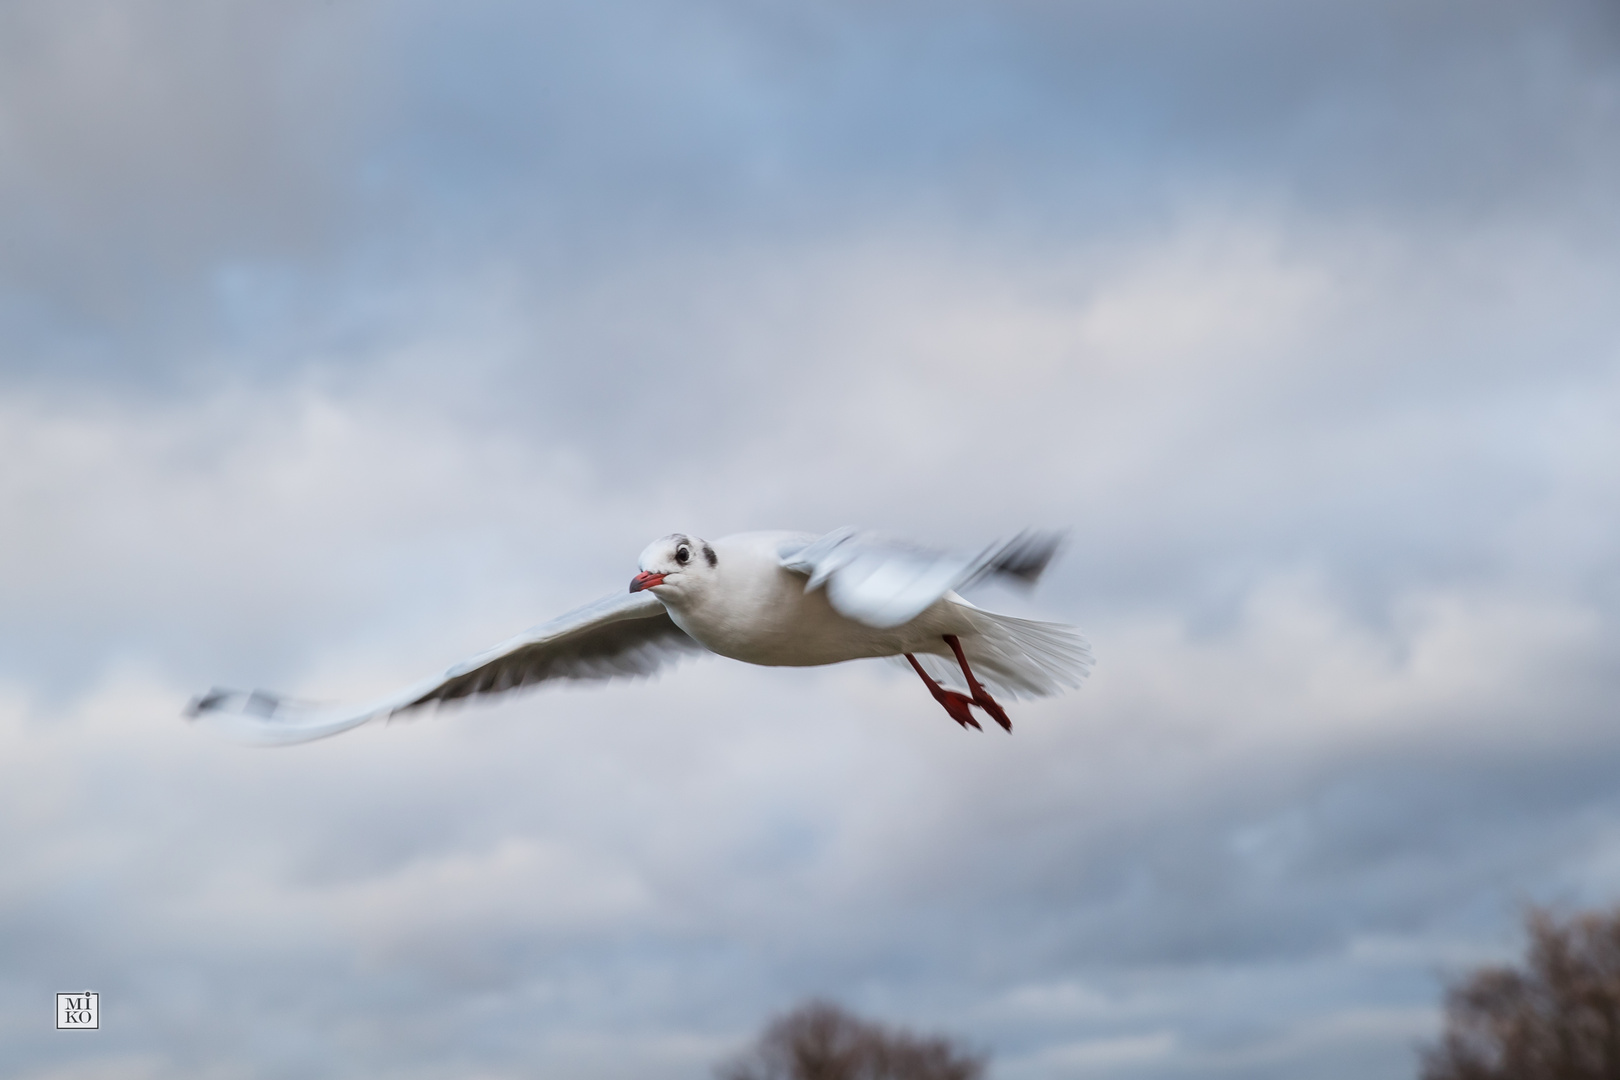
[789,628]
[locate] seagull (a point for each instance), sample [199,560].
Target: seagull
[779,599]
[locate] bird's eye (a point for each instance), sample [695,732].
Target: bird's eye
[683,554]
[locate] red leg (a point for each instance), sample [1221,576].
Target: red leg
[955,704]
[981,696]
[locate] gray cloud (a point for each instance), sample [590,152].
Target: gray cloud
[341,340]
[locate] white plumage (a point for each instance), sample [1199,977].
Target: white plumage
[771,598]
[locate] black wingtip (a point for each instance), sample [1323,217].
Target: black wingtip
[204,702]
[1025,557]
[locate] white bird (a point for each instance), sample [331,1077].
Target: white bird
[772,598]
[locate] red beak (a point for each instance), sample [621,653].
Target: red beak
[645,580]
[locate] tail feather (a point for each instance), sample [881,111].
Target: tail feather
[1022,658]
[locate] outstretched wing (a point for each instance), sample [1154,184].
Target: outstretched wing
[884,583]
[620,636]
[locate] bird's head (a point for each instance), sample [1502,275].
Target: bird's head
[674,565]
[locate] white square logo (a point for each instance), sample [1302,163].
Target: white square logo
[78,1010]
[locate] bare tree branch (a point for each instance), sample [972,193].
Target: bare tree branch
[820,1041]
[1558,1018]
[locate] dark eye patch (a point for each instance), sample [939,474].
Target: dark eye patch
[683,555]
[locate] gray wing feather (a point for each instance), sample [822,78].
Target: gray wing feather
[885,583]
[620,636]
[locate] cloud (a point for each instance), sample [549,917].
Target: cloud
[342,340]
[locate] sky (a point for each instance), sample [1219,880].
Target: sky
[340,340]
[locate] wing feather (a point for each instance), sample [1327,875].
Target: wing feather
[625,635]
[884,583]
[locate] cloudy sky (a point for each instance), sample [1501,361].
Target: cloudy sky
[341,340]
